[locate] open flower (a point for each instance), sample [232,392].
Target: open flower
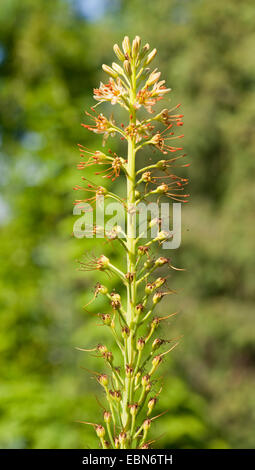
[112,91]
[149,97]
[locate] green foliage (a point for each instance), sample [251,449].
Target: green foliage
[49,63]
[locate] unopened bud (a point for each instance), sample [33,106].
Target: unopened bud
[126,45]
[136,46]
[127,67]
[117,68]
[151,56]
[118,52]
[109,71]
[144,51]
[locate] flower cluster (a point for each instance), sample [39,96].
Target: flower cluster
[132,387]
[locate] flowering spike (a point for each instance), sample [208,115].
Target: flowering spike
[137,88]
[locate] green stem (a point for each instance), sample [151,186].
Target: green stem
[131,246]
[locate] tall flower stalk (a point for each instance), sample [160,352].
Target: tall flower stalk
[132,388]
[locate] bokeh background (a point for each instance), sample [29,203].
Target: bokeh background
[50,56]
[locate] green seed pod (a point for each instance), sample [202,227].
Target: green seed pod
[129,371]
[122,438]
[155,322]
[117,395]
[117,443]
[146,176]
[106,318]
[149,288]
[103,380]
[148,264]
[139,308]
[156,344]
[156,361]
[160,281]
[157,297]
[102,349]
[100,430]
[146,424]
[133,409]
[145,380]
[162,235]
[108,357]
[162,188]
[140,344]
[115,300]
[125,332]
[161,261]
[107,417]
[137,377]
[151,403]
[101,289]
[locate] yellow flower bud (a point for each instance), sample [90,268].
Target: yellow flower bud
[151,56]
[126,45]
[118,52]
[109,71]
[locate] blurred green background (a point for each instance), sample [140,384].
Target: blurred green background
[50,59]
